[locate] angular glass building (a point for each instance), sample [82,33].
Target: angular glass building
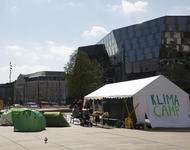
[158,46]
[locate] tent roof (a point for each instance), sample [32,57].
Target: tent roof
[121,89]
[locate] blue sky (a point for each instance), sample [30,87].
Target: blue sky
[38,35]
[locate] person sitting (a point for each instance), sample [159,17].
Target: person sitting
[75,112]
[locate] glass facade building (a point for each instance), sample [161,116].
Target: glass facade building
[138,46]
[137,51]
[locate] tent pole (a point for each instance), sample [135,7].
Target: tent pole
[102,105]
[93,107]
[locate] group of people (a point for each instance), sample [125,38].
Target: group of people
[77,108]
[81,113]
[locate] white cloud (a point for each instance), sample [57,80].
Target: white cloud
[115,7]
[34,56]
[38,48]
[20,51]
[50,42]
[15,50]
[61,50]
[4,68]
[56,51]
[48,50]
[47,57]
[52,49]
[129,7]
[179,10]
[15,47]
[14,9]
[95,32]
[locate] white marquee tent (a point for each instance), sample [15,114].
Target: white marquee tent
[165,104]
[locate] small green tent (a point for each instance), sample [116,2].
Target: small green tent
[55,119]
[28,121]
[6,117]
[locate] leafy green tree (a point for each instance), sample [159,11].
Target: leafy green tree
[83,75]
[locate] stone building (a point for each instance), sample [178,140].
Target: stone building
[40,86]
[7,93]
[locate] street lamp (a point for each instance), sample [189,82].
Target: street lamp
[10,71]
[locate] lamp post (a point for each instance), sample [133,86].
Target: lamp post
[10,71]
[9,85]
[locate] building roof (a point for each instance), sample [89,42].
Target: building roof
[95,51]
[45,74]
[133,25]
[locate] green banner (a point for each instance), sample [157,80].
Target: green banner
[165,105]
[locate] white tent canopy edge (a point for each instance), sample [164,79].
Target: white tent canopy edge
[121,89]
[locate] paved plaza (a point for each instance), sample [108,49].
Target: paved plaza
[94,138]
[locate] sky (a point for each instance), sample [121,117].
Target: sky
[40,35]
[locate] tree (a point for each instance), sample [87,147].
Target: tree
[83,75]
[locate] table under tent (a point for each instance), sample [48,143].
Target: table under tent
[155,99]
[114,111]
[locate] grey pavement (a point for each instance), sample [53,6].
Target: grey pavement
[94,138]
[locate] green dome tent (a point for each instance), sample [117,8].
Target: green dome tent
[28,121]
[55,119]
[6,117]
